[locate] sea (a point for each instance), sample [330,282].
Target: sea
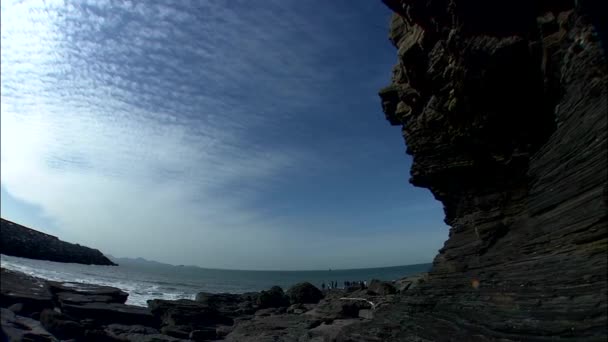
[145,280]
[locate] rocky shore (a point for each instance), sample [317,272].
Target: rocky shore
[34,309]
[20,241]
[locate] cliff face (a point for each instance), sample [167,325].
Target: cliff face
[21,241]
[503,106]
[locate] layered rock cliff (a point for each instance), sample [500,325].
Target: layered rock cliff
[503,106]
[21,241]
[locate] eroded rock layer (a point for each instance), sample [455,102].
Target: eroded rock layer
[503,106]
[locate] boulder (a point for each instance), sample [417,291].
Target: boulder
[60,325]
[304,293]
[273,298]
[381,287]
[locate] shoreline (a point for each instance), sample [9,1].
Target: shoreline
[52,310]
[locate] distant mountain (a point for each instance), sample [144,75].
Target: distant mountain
[137,261]
[24,242]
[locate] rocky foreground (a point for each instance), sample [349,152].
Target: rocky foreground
[34,309]
[21,241]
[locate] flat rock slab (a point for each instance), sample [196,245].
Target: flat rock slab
[75,292]
[107,313]
[17,287]
[286,328]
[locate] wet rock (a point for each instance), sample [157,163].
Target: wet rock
[304,293]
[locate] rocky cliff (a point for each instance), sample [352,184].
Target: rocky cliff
[503,106]
[21,241]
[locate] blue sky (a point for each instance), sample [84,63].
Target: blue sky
[230,134]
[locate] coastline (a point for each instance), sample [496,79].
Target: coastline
[51,310]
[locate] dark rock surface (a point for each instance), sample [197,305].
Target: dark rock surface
[273,298]
[304,293]
[60,325]
[86,312]
[16,328]
[32,293]
[20,241]
[503,106]
[381,287]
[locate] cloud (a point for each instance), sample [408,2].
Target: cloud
[149,128]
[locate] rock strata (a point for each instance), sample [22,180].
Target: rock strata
[20,241]
[503,106]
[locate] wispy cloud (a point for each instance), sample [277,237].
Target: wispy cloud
[145,128]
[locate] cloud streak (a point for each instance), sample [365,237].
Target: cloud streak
[160,129]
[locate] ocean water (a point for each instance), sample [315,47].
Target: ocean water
[145,281]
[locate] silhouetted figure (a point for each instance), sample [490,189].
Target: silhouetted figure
[323,286]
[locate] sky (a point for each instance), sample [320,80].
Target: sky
[226,133]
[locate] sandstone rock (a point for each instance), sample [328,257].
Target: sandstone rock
[304,293]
